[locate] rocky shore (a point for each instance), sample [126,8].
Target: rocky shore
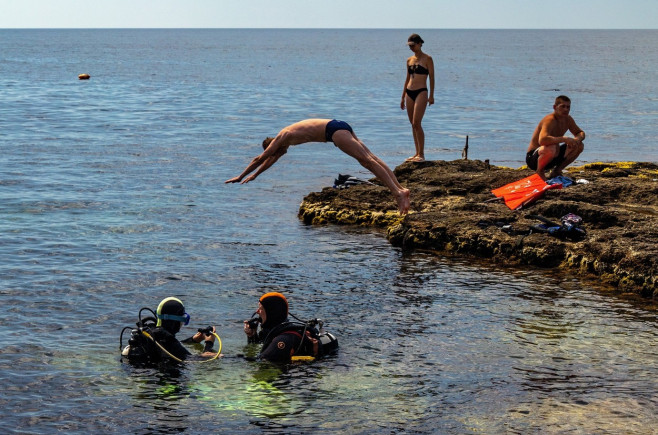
[454,212]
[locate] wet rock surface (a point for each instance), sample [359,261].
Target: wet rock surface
[454,212]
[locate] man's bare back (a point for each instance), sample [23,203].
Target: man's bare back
[308,130]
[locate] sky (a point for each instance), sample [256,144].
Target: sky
[402,14]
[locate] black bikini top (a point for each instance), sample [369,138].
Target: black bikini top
[417,69]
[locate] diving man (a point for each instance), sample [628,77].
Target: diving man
[324,130]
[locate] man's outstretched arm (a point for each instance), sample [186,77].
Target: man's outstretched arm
[262,168]
[253,165]
[263,158]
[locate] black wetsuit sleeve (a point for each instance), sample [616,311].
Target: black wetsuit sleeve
[169,342]
[281,348]
[177,349]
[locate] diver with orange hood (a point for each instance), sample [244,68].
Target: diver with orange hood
[285,341]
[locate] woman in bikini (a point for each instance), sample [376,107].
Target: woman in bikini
[415,95]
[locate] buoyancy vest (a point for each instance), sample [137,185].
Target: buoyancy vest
[142,347]
[312,342]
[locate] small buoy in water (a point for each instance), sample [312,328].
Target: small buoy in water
[84,76]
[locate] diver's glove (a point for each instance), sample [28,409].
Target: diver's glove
[209,334]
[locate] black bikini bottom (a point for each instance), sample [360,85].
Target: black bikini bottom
[414,93]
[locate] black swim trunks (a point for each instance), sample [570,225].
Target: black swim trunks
[532,156]
[333,126]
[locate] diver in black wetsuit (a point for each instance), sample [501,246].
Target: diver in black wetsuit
[283,340]
[155,339]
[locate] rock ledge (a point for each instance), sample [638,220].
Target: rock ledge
[453,212]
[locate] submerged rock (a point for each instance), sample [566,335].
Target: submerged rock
[453,211]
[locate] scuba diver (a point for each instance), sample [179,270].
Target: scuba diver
[285,341]
[154,340]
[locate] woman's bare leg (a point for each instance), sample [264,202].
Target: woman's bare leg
[411,106]
[416,124]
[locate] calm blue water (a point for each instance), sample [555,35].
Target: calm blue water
[112,198]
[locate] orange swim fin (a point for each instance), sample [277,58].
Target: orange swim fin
[524,191]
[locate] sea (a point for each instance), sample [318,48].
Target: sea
[112,197]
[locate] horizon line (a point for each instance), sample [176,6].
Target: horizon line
[328,28]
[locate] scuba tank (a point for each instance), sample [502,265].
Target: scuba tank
[328,343]
[140,348]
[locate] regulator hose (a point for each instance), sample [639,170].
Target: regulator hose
[175,358]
